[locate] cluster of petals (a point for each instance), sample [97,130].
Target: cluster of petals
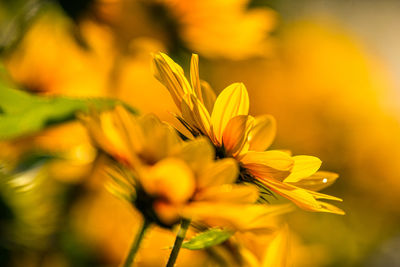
[235,134]
[167,178]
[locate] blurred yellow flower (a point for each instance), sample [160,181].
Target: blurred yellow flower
[49,60]
[198,25]
[203,24]
[236,134]
[167,179]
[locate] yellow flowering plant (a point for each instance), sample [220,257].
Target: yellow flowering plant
[170,180]
[235,134]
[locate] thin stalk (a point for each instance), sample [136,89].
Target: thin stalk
[136,244]
[178,242]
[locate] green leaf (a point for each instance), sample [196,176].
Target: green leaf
[206,239]
[23,113]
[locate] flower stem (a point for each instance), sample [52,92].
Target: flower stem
[135,246]
[178,242]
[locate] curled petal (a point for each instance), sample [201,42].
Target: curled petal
[300,197]
[318,195]
[188,116]
[304,166]
[171,75]
[317,181]
[304,199]
[268,164]
[195,77]
[263,133]
[236,133]
[201,115]
[208,94]
[326,207]
[231,102]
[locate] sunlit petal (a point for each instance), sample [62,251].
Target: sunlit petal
[326,207]
[231,102]
[171,75]
[195,77]
[262,133]
[299,196]
[304,166]
[201,115]
[268,164]
[236,133]
[318,195]
[317,181]
[208,94]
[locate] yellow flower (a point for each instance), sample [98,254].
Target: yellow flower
[236,134]
[199,25]
[203,24]
[167,178]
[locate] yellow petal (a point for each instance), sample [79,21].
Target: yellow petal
[104,131]
[299,196]
[287,151]
[318,195]
[263,133]
[201,116]
[195,77]
[131,128]
[326,207]
[112,133]
[276,254]
[171,75]
[196,153]
[230,193]
[208,94]
[221,172]
[268,164]
[188,119]
[231,102]
[304,166]
[317,181]
[302,198]
[236,133]
[240,217]
[267,216]
[171,179]
[161,139]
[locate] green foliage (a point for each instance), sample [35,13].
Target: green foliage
[206,239]
[22,113]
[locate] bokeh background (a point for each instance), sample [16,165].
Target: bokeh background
[328,70]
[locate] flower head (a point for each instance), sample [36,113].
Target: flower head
[167,178]
[235,134]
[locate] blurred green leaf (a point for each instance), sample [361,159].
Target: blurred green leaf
[206,239]
[22,113]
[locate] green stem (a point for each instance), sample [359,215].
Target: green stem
[135,246]
[178,242]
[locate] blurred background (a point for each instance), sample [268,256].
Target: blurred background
[329,71]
